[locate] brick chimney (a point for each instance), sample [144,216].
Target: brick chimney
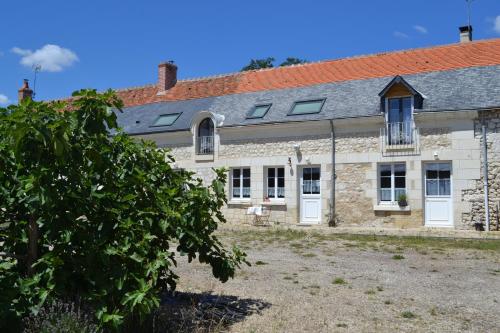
[465,34]
[24,92]
[167,75]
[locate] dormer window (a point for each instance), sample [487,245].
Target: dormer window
[205,139]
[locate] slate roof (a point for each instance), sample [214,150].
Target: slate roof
[452,77]
[454,90]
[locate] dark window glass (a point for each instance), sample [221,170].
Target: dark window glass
[246,172]
[281,182]
[236,182]
[270,172]
[315,173]
[400,182]
[385,182]
[281,172]
[236,173]
[270,182]
[206,128]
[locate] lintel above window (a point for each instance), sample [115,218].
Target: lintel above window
[166,119]
[307,107]
[258,111]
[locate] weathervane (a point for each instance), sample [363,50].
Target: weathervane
[36,68]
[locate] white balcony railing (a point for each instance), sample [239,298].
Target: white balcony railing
[205,145]
[400,137]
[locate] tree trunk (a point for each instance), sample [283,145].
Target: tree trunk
[32,245]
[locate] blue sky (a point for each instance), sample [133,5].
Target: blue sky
[119,43]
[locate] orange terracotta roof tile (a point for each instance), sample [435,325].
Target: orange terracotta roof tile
[440,58]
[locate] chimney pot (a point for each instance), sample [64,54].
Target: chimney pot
[465,34]
[25,91]
[167,75]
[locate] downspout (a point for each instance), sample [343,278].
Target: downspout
[485,177]
[332,221]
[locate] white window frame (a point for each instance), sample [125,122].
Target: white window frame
[393,200]
[394,97]
[276,198]
[241,183]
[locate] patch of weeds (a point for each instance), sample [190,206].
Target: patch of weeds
[342,325]
[287,278]
[370,292]
[260,263]
[296,282]
[433,311]
[309,255]
[398,257]
[387,302]
[413,267]
[379,288]
[408,315]
[434,271]
[339,281]
[434,258]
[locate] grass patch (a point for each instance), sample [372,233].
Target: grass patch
[309,255]
[342,325]
[287,278]
[433,311]
[260,263]
[387,302]
[339,281]
[370,292]
[398,257]
[408,315]
[379,288]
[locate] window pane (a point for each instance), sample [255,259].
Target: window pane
[236,173]
[398,192]
[431,174]
[432,187]
[236,182]
[166,119]
[385,182]
[385,194]
[246,172]
[399,170]
[259,111]
[444,187]
[315,187]
[281,192]
[236,192]
[315,173]
[385,170]
[270,182]
[246,182]
[206,128]
[270,192]
[400,182]
[306,187]
[270,172]
[394,111]
[281,182]
[444,174]
[246,192]
[307,107]
[307,174]
[407,109]
[281,172]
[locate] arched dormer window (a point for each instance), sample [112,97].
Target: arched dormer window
[205,137]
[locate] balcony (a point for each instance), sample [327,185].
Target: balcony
[399,139]
[205,145]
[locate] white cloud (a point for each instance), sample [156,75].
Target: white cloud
[400,34]
[4,100]
[52,58]
[421,29]
[496,24]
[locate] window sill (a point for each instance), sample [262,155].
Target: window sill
[273,203]
[240,202]
[404,147]
[391,208]
[204,157]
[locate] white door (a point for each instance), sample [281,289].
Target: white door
[438,198]
[310,195]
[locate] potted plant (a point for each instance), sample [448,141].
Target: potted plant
[402,200]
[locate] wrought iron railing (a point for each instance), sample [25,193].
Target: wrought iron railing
[402,137]
[205,145]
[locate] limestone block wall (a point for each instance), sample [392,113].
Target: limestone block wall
[435,138]
[475,195]
[357,142]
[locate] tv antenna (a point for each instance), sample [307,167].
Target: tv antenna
[36,68]
[469,2]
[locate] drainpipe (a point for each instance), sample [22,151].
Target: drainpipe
[333,176]
[485,173]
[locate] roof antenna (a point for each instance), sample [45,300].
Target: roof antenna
[36,68]
[468,11]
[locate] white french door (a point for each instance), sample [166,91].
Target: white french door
[438,195]
[310,195]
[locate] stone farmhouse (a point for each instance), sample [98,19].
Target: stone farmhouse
[390,140]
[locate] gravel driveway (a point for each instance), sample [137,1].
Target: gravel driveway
[303,282]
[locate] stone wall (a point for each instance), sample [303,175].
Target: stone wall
[435,138]
[357,142]
[309,145]
[475,196]
[180,152]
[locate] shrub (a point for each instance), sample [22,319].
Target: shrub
[88,211]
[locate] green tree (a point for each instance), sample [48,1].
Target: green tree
[259,64]
[293,61]
[94,214]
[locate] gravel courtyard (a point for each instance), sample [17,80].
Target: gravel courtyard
[308,282]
